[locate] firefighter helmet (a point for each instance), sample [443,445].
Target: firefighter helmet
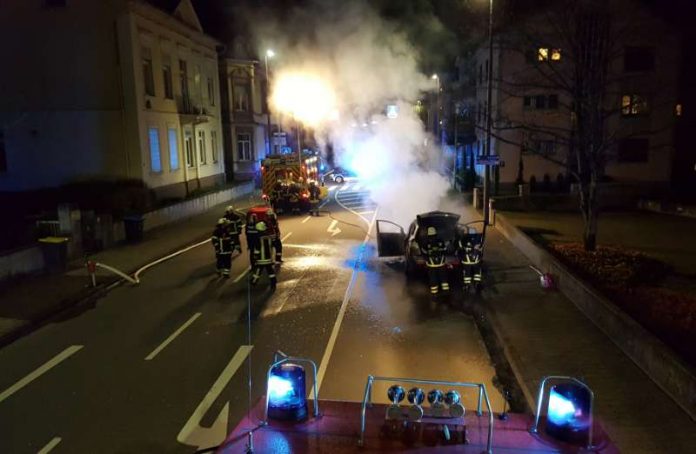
[270,212]
[229,209]
[222,221]
[432,231]
[261,226]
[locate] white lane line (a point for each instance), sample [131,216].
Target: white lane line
[191,429]
[333,229]
[248,268]
[345,188]
[62,356]
[365,212]
[306,219]
[51,444]
[172,336]
[331,188]
[341,313]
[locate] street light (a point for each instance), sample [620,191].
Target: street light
[489,102]
[437,106]
[269,54]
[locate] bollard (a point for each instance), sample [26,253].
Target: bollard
[491,211]
[476,197]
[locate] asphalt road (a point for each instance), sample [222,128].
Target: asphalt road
[164,366]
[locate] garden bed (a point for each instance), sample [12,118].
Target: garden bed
[632,280]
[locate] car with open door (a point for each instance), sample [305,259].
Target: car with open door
[393,241]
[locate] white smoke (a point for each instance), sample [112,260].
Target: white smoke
[368,63]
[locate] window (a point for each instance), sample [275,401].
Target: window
[188,148]
[167,76]
[633,149]
[148,78]
[632,105]
[211,91]
[214,145]
[244,147]
[241,98]
[173,149]
[183,82]
[202,157]
[155,157]
[3,153]
[540,102]
[639,59]
[548,54]
[678,110]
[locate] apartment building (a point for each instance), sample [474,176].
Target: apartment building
[108,90]
[245,116]
[532,112]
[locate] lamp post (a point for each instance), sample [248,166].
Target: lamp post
[489,98]
[269,54]
[436,130]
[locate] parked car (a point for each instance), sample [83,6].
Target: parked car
[339,175]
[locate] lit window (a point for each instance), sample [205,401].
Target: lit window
[543,54]
[555,54]
[173,149]
[633,105]
[678,110]
[155,157]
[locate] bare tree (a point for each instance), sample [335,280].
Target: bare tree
[576,53]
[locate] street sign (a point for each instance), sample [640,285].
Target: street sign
[492,160]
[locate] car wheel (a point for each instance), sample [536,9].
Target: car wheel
[339,179]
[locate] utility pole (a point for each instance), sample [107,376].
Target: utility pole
[489,97]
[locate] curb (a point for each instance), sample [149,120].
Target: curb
[651,355]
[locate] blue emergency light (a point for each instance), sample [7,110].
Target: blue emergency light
[287,393]
[568,414]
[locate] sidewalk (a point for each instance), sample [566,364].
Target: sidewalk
[28,302]
[543,333]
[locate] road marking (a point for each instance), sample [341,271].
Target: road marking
[333,229]
[345,188]
[51,444]
[341,312]
[62,356]
[192,434]
[365,212]
[306,219]
[331,188]
[286,236]
[172,336]
[337,199]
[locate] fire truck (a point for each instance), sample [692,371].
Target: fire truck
[285,181]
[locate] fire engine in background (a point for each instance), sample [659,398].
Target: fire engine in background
[286,182]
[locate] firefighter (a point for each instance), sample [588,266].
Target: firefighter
[469,252]
[251,233]
[235,225]
[262,250]
[294,198]
[314,194]
[435,252]
[277,197]
[222,243]
[274,230]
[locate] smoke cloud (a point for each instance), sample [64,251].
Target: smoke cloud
[366,63]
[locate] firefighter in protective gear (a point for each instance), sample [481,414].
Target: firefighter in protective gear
[235,225]
[223,245]
[274,230]
[251,234]
[314,195]
[294,198]
[262,252]
[470,254]
[436,254]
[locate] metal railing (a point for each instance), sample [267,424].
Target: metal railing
[482,393]
[540,398]
[284,359]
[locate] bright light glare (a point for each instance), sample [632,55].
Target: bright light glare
[433,77]
[306,97]
[561,410]
[279,390]
[270,53]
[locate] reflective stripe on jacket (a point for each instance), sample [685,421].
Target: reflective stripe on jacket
[263,250]
[435,252]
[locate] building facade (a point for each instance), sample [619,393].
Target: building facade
[245,117]
[109,90]
[532,107]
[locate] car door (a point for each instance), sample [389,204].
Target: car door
[390,239]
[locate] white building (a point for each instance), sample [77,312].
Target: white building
[108,90]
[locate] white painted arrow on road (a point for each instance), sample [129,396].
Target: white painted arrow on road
[333,229]
[203,437]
